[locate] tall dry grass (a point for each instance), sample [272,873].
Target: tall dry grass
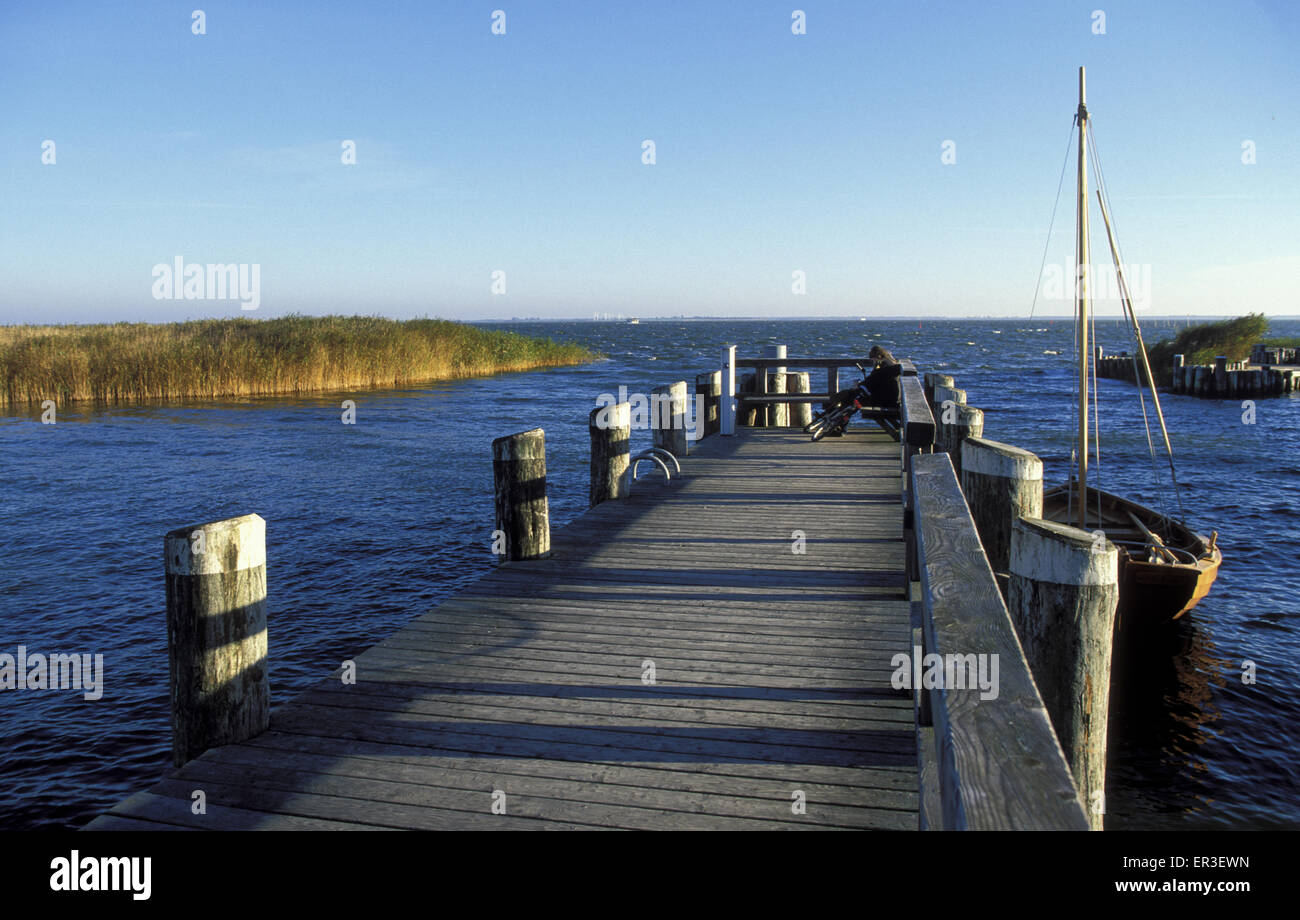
[1201,344]
[214,358]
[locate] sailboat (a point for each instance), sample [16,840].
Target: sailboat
[1165,567]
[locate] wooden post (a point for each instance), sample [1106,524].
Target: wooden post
[519,474]
[968,422]
[1002,484]
[710,385]
[748,413]
[778,414]
[947,408]
[727,404]
[944,393]
[668,418]
[1221,376]
[1062,596]
[611,435]
[931,380]
[832,382]
[800,413]
[216,634]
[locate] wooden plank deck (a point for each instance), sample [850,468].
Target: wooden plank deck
[771,674]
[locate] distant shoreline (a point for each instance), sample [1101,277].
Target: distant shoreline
[223,358]
[1052,317]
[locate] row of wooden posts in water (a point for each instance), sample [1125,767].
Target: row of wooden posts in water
[988,568]
[1221,380]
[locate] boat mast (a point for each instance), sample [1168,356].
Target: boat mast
[1081,302]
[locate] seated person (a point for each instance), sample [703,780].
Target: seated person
[882,383]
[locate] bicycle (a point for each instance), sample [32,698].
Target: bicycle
[835,419]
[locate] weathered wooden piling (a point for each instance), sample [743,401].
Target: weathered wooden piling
[956,424]
[1002,484]
[1178,372]
[748,414]
[1062,596]
[611,437]
[931,380]
[801,412]
[216,634]
[710,386]
[522,515]
[777,414]
[668,418]
[944,393]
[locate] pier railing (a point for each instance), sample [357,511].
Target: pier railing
[986,764]
[988,760]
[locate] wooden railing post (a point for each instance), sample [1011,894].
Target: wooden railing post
[1062,598]
[611,435]
[832,381]
[519,476]
[727,402]
[216,634]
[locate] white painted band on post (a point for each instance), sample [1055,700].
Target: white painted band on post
[1005,461]
[618,415]
[232,545]
[1057,553]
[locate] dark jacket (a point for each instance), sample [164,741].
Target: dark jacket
[882,384]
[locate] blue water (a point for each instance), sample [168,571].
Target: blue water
[368,525]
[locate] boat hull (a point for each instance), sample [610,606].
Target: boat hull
[1151,594]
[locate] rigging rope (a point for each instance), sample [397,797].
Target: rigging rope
[1136,338]
[1038,283]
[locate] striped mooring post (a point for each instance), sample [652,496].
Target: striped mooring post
[611,438]
[1002,484]
[519,485]
[216,634]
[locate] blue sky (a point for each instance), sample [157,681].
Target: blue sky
[522,153]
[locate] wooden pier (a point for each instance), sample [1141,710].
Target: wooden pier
[737,645]
[770,707]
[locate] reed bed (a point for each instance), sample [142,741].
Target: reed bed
[217,358]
